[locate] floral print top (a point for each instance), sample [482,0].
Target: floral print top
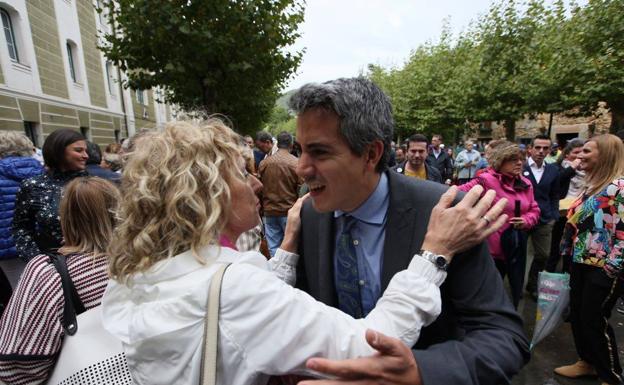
[594,233]
[36,222]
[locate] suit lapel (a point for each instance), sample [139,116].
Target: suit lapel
[531,177]
[403,232]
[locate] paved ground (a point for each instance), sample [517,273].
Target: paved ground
[557,349]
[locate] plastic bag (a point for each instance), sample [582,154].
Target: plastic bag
[552,302]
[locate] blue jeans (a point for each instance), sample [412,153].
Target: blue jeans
[274,231]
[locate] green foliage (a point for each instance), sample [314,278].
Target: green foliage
[280,120]
[598,31]
[518,59]
[218,56]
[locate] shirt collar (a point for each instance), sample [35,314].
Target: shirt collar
[532,164]
[374,209]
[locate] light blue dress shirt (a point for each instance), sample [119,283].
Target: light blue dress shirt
[369,234]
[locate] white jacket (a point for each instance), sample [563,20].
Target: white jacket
[266,327]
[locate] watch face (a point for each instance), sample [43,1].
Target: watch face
[441,262]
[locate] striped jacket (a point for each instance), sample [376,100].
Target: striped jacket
[30,329]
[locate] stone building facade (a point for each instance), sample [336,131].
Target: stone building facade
[53,76]
[564,127]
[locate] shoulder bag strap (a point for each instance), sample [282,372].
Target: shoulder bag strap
[73,305]
[208,374]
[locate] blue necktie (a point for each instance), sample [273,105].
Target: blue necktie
[347,277]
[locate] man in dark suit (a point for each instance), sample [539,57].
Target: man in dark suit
[545,180]
[344,127]
[440,159]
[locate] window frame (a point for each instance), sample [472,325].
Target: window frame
[109,78]
[71,61]
[11,41]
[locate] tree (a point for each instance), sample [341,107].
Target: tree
[278,120]
[597,31]
[428,94]
[217,56]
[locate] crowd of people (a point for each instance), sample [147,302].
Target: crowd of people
[346,256]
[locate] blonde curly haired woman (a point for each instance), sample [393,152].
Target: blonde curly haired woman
[187,198]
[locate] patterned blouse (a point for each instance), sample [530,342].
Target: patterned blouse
[594,233]
[31,333]
[36,222]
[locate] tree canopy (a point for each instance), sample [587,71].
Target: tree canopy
[216,56]
[518,59]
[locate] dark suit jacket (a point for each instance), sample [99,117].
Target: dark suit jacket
[443,163]
[546,192]
[478,338]
[432,173]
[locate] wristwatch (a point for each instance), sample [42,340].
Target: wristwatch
[439,261]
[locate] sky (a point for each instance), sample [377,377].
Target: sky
[342,37]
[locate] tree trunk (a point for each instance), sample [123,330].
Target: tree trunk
[510,129]
[617,116]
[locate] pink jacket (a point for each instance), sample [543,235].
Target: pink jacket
[503,185]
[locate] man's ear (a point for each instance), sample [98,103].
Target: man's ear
[373,154]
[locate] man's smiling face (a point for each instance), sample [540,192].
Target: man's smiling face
[336,176]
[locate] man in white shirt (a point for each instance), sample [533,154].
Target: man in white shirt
[545,180]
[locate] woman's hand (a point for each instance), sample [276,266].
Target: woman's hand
[518,222]
[468,223]
[293,226]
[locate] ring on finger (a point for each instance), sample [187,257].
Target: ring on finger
[486,219]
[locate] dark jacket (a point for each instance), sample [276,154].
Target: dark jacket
[546,191]
[432,173]
[13,170]
[36,223]
[478,338]
[104,173]
[443,163]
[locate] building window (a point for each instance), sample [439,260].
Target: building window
[31,131]
[72,59]
[109,77]
[86,132]
[9,34]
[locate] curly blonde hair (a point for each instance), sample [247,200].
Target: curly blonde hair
[176,195]
[13,143]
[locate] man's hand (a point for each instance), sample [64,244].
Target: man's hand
[394,364]
[468,223]
[293,226]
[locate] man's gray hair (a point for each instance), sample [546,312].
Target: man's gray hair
[364,111]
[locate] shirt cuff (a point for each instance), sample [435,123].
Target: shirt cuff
[427,270]
[286,257]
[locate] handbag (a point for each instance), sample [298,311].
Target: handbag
[208,371]
[89,354]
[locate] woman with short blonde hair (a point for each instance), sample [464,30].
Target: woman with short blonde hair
[594,237]
[15,144]
[508,244]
